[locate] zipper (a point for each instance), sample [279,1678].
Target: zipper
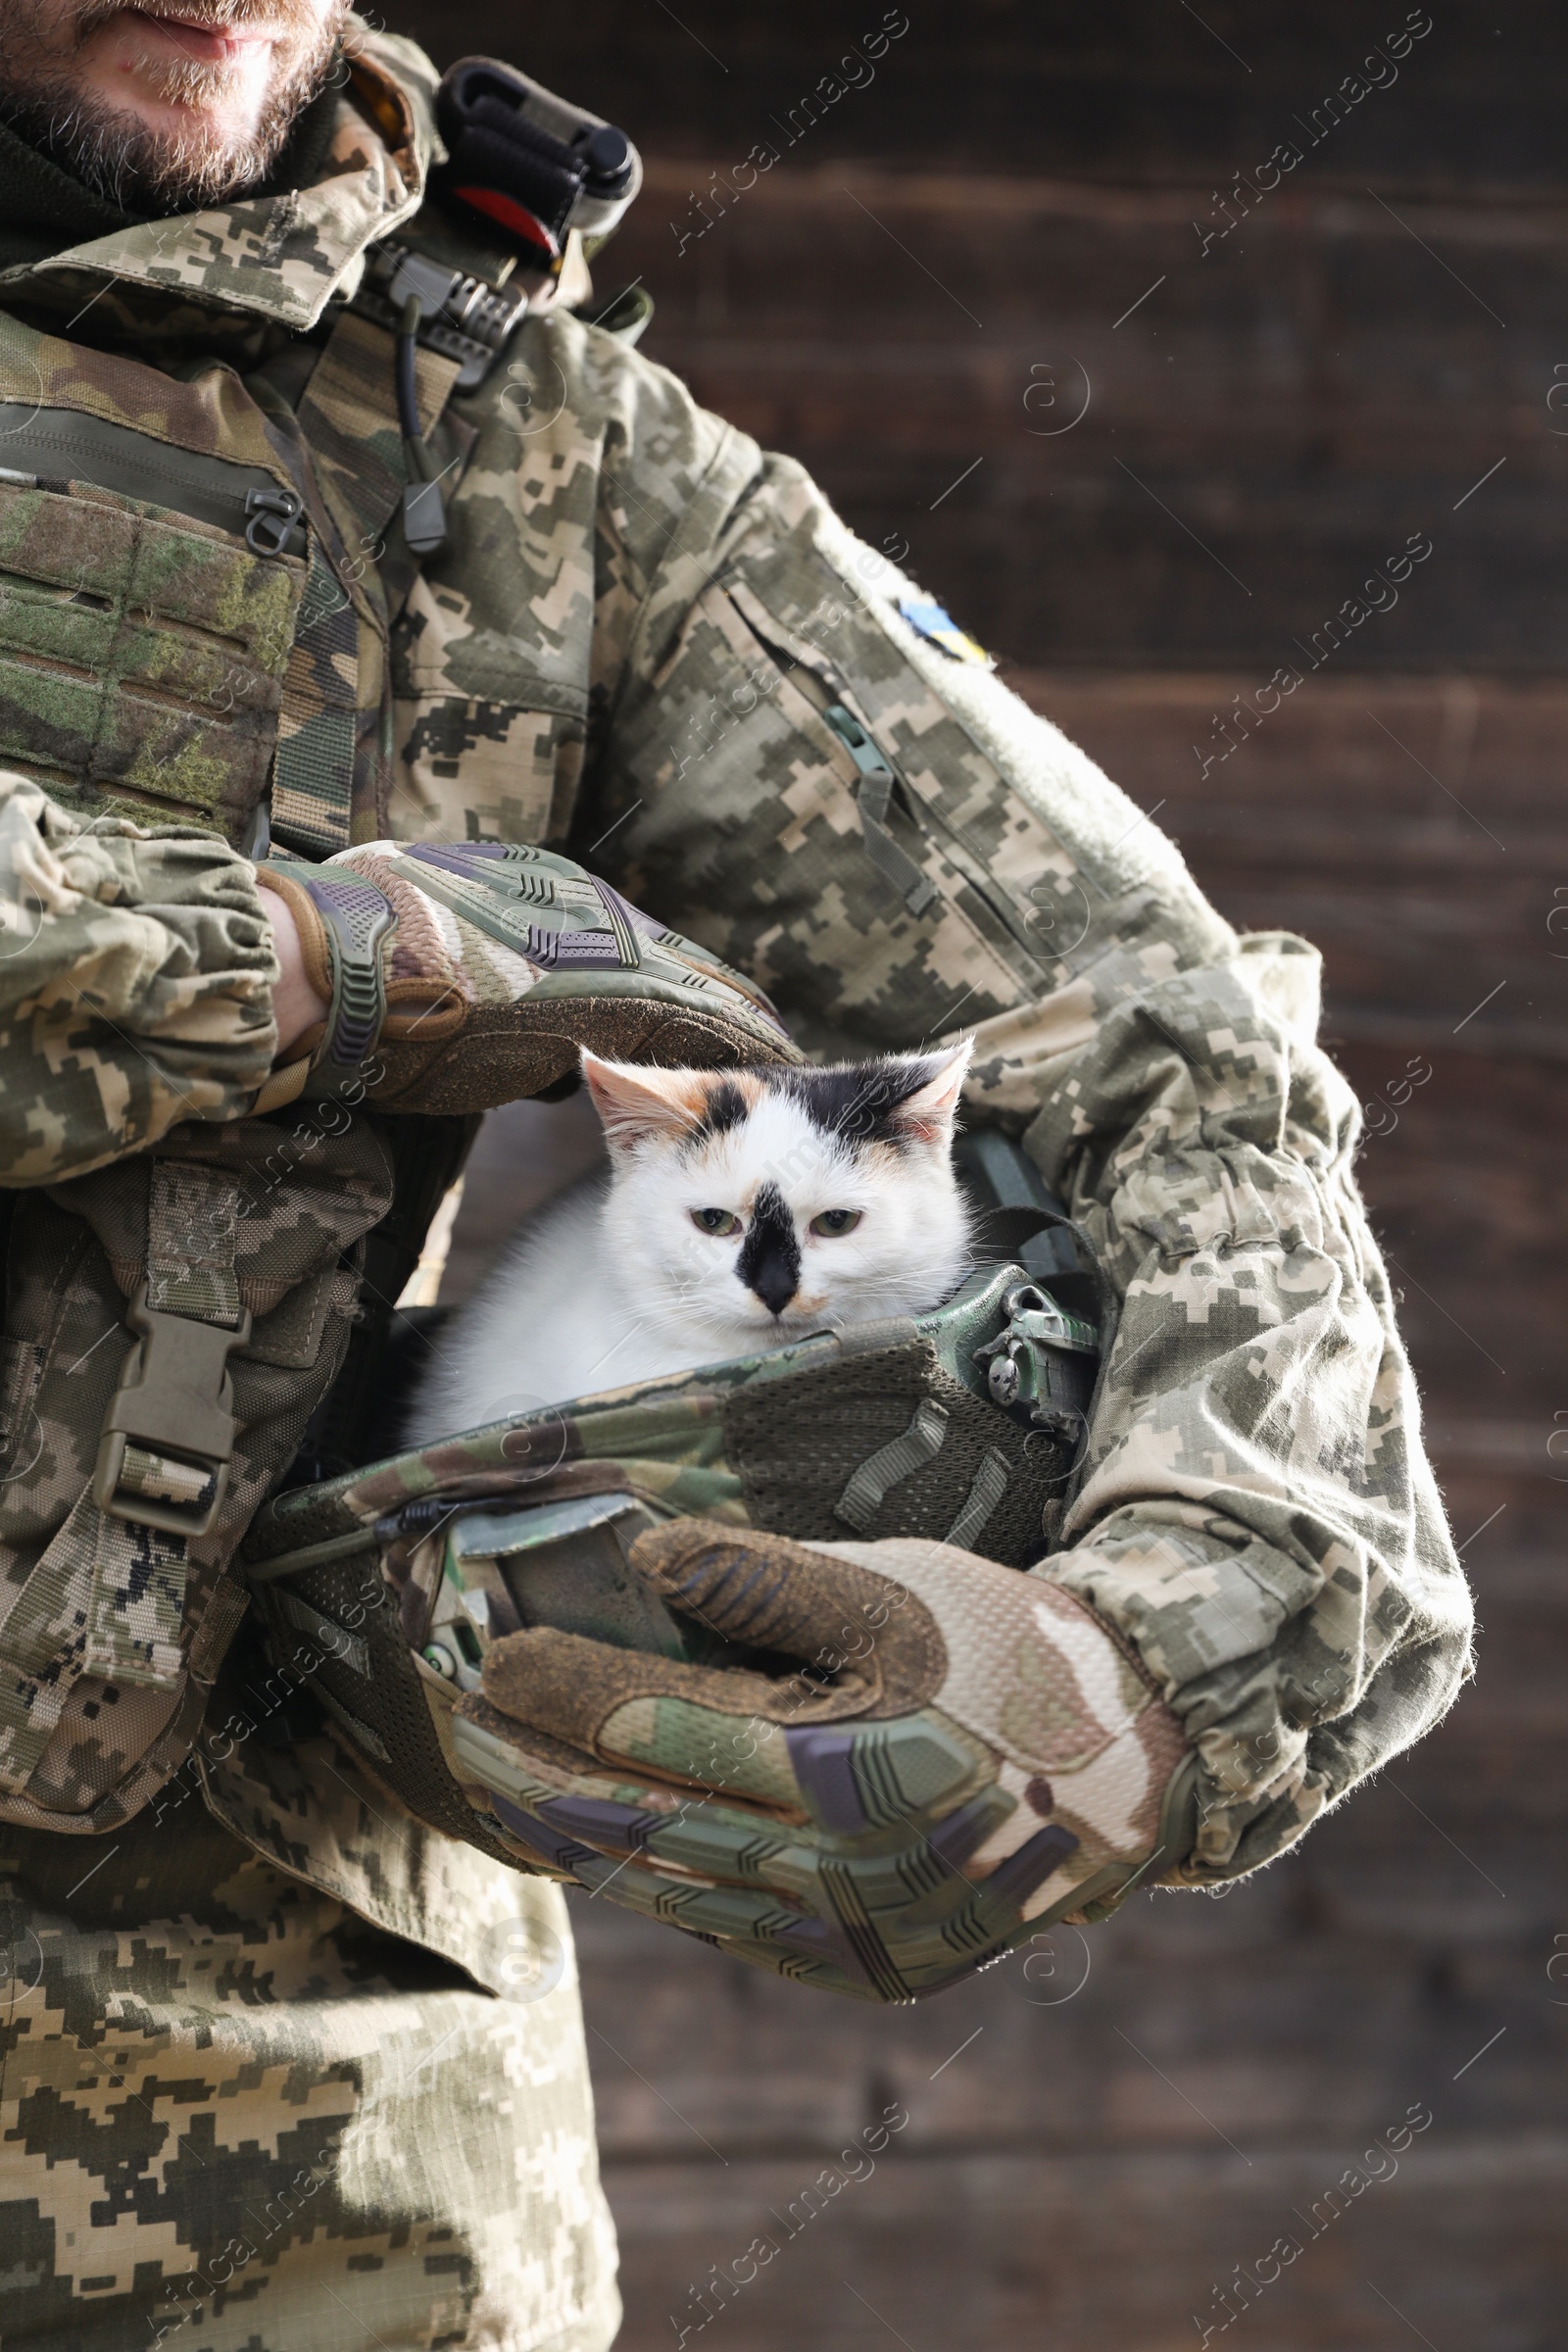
[45,449]
[879,778]
[873,797]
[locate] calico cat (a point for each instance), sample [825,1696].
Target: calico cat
[740,1210]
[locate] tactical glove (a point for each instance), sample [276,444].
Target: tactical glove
[462,977]
[962,1754]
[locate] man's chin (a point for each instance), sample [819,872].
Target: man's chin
[170,159]
[201,130]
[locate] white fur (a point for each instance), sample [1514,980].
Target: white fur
[612,1283]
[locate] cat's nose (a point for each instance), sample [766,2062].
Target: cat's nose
[770,1262]
[775,1283]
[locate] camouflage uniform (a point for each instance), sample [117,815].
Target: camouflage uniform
[655,647]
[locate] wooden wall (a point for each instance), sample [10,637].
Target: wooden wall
[911,301]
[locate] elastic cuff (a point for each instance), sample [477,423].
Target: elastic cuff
[284,1087]
[314,945]
[352,924]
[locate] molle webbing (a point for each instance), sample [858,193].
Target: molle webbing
[142,666]
[318,731]
[146,662]
[160,671]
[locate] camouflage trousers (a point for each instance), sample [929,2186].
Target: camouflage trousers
[236,2118]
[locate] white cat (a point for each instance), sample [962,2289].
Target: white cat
[741,1211]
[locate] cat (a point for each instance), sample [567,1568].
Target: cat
[739,1212]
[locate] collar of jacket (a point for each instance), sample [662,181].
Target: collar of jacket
[282,258]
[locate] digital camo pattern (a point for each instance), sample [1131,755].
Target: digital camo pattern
[1257,1514]
[656,619]
[272,256]
[637,575]
[627,649]
[137,974]
[629,562]
[234,2118]
[113,1630]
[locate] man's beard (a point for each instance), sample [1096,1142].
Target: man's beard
[125,160]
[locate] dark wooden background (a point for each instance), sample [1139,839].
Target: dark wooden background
[1009,204]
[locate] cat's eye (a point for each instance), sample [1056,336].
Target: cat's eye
[714,1220]
[836,1221]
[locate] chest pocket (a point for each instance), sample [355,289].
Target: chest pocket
[163,632]
[502,763]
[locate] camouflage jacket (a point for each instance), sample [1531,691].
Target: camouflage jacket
[654,646]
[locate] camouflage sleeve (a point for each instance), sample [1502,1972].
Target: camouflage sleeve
[1256,1514]
[136,975]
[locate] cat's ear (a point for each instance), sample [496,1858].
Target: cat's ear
[641,1105]
[926,1116]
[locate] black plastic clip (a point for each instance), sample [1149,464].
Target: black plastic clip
[274,516]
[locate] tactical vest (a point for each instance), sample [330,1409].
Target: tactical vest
[198,583]
[196,595]
[197,592]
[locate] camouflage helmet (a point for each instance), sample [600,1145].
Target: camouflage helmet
[383,1589]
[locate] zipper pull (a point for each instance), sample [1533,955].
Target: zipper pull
[873,798]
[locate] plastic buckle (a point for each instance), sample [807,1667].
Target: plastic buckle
[463,318]
[274,514]
[174,1399]
[1017,1361]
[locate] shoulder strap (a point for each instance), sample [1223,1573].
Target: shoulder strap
[365,462]
[441,326]
[349,417]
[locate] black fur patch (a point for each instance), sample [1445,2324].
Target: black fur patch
[861,1102]
[770,1262]
[726,1108]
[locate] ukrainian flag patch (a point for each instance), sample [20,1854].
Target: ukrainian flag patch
[931,621]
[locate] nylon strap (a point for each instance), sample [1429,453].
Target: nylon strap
[317,730]
[989,1485]
[192,1224]
[108,1595]
[348,420]
[869,1486]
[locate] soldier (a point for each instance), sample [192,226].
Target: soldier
[326,519]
